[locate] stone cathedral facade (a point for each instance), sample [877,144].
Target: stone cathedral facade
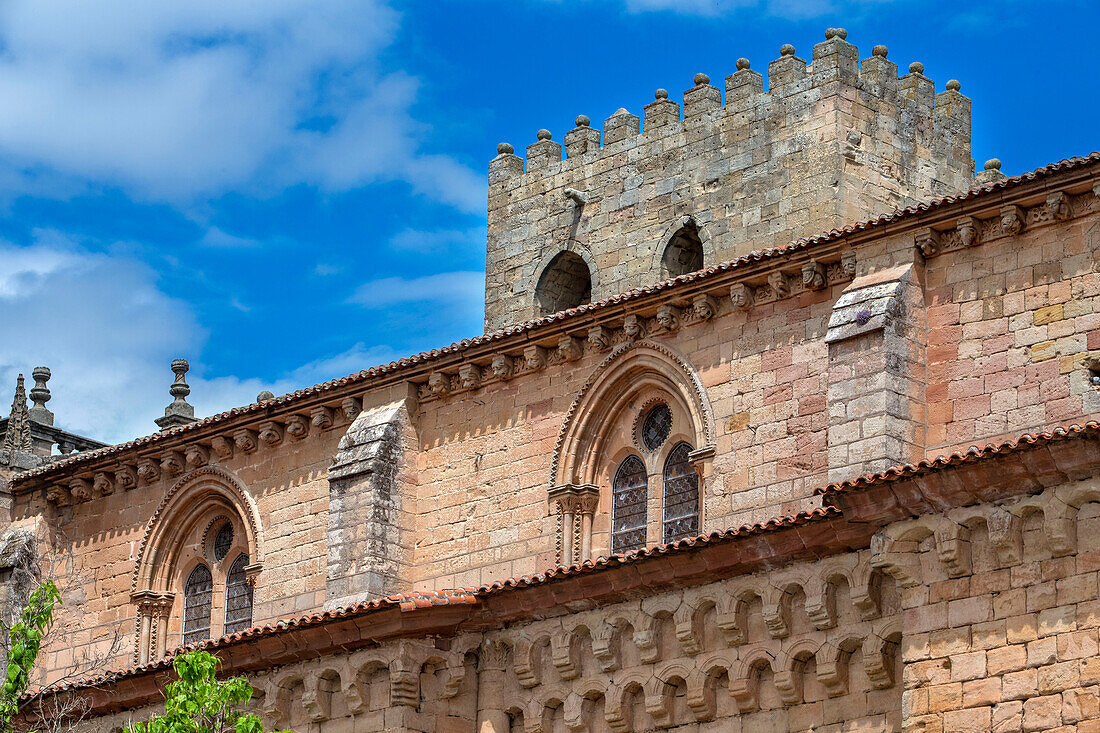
[783,420]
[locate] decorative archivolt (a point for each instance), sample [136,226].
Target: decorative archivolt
[628,370]
[194,498]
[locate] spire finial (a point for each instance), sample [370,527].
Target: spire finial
[40,395]
[17,436]
[178,412]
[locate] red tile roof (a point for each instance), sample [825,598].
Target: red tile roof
[1005,184]
[972,455]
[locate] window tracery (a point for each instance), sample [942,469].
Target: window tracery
[629,494]
[198,594]
[681,495]
[657,426]
[238,597]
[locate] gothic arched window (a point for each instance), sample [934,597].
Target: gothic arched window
[681,488]
[628,512]
[198,592]
[238,597]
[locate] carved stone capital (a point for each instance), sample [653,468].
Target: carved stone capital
[576,498]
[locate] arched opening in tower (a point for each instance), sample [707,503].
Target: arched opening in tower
[683,254]
[565,283]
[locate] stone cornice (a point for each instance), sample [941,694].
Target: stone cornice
[470,364]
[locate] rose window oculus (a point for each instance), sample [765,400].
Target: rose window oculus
[657,426]
[223,541]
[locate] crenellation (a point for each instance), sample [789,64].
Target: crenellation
[826,144]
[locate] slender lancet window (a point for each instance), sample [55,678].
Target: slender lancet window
[681,495]
[198,592]
[238,597]
[628,510]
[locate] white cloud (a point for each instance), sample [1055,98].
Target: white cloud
[174,100]
[439,240]
[443,288]
[108,334]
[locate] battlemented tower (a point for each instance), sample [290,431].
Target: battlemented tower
[828,143]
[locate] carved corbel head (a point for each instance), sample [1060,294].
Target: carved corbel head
[469,376]
[813,276]
[928,242]
[351,406]
[1057,206]
[1012,219]
[173,462]
[848,265]
[126,476]
[297,427]
[223,448]
[103,483]
[741,295]
[633,327]
[704,307]
[148,470]
[968,231]
[501,367]
[271,432]
[321,417]
[599,339]
[197,455]
[245,440]
[668,318]
[534,358]
[779,284]
[439,384]
[569,348]
[80,489]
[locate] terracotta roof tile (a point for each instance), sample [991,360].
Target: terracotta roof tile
[971,455]
[756,256]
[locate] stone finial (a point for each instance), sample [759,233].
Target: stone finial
[743,63]
[880,50]
[543,134]
[582,121]
[831,33]
[916,68]
[40,395]
[701,79]
[993,164]
[660,94]
[17,436]
[786,49]
[178,412]
[264,396]
[953,85]
[505,149]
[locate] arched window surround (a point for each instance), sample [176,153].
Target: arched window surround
[599,430]
[689,221]
[550,253]
[175,542]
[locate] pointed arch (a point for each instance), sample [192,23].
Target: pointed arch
[191,500]
[685,246]
[628,370]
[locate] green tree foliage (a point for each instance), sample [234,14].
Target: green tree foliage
[199,703]
[24,641]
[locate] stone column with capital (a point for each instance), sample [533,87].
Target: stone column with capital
[575,501]
[492,679]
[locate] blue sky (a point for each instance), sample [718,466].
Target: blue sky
[286,191]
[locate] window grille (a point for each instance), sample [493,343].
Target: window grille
[681,486]
[629,506]
[198,592]
[238,597]
[223,540]
[657,426]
